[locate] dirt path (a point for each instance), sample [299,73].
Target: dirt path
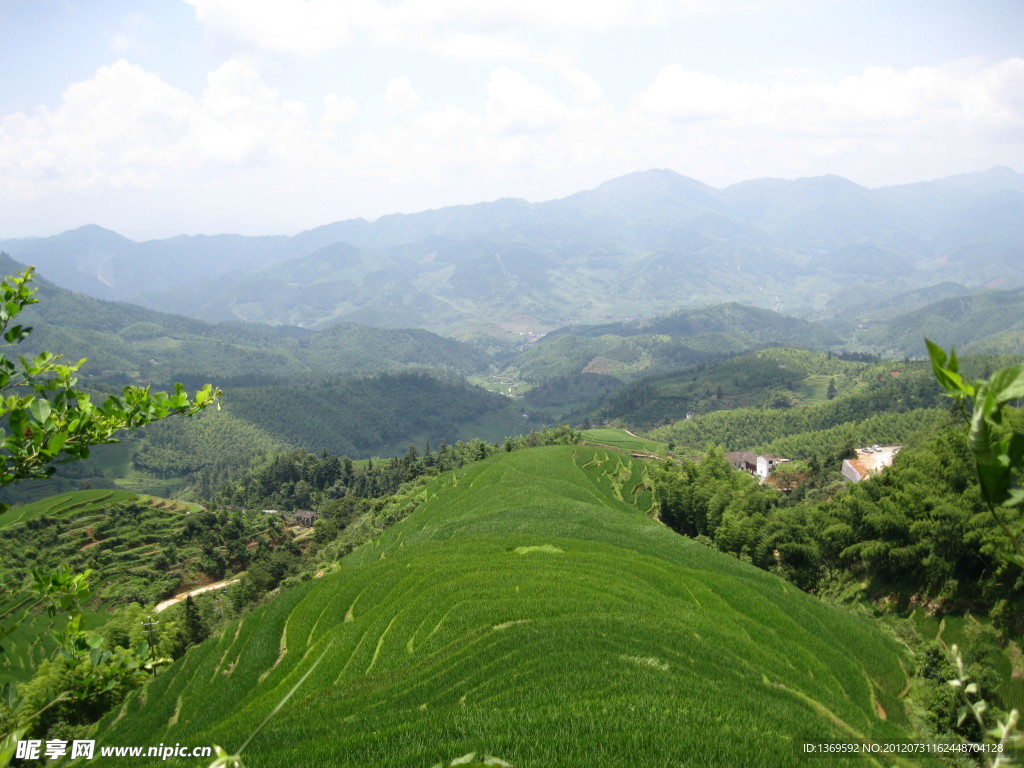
[182,595]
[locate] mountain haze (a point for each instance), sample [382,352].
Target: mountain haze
[641,244]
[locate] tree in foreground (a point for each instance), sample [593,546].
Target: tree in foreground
[46,420]
[997,444]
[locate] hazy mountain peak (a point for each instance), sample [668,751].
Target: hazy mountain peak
[655,180]
[94,234]
[632,246]
[829,183]
[651,194]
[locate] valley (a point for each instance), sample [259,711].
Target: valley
[472,487]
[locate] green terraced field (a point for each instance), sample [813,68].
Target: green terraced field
[34,641]
[63,504]
[117,534]
[623,440]
[531,609]
[79,503]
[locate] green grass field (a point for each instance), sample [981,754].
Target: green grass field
[531,609]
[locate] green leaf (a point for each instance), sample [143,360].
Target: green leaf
[15,334]
[17,420]
[1015,499]
[40,410]
[995,482]
[9,745]
[9,696]
[56,443]
[1007,384]
[946,371]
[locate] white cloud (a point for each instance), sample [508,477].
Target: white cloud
[880,98]
[570,15]
[234,151]
[400,94]
[515,105]
[127,39]
[475,46]
[125,127]
[337,110]
[876,127]
[302,27]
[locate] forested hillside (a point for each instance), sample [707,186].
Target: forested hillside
[125,342]
[989,321]
[349,389]
[867,391]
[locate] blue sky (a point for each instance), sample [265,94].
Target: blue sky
[270,116]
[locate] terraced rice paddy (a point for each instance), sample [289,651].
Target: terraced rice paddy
[32,642]
[531,609]
[63,505]
[82,529]
[623,441]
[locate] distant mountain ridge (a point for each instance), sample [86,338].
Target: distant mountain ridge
[641,244]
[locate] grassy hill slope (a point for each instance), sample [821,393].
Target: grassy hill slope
[531,609]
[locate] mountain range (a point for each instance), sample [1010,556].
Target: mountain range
[641,244]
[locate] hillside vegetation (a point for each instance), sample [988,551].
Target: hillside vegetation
[864,392]
[141,549]
[531,609]
[988,321]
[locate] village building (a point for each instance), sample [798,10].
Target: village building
[759,465]
[306,517]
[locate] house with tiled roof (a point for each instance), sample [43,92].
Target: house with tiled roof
[758,464]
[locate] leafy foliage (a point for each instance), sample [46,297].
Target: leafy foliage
[996,442]
[47,418]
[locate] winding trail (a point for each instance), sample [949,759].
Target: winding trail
[182,595]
